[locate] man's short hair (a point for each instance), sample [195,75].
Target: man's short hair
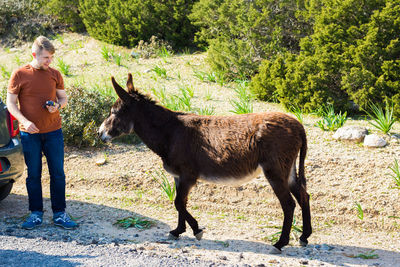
[42,43]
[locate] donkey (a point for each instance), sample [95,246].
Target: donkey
[221,149]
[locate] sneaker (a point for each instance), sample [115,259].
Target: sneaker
[63,220]
[34,219]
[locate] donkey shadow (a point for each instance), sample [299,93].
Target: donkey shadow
[336,254]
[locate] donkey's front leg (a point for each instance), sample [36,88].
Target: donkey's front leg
[183,186]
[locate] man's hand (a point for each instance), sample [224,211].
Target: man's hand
[54,108]
[30,127]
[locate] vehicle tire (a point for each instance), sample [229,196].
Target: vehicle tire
[5,190]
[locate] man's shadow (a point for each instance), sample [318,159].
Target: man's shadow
[98,224]
[31,258]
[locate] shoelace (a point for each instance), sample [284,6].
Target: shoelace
[65,217]
[34,218]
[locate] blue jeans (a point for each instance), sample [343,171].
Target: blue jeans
[52,146]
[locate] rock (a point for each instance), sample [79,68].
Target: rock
[326,247]
[304,262]
[374,140]
[72,156]
[135,54]
[351,133]
[101,161]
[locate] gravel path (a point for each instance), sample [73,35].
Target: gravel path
[22,251]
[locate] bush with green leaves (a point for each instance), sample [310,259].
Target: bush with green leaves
[84,113]
[352,57]
[67,12]
[24,20]
[240,33]
[126,22]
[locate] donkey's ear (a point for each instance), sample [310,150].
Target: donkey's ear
[129,84]
[120,91]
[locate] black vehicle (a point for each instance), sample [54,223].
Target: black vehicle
[11,156]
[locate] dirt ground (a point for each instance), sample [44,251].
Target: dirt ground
[239,221]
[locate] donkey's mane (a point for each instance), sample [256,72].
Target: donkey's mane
[138,96]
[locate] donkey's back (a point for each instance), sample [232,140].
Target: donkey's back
[235,148]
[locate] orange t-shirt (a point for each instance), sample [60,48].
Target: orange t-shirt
[34,87]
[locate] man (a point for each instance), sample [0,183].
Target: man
[35,85]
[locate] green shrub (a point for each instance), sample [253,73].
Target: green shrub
[84,113]
[67,12]
[126,22]
[24,20]
[374,75]
[240,33]
[352,57]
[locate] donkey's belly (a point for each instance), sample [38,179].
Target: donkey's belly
[232,180]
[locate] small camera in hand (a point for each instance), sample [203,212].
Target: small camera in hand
[49,103]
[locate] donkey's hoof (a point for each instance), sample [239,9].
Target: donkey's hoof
[303,243]
[172,237]
[275,251]
[199,235]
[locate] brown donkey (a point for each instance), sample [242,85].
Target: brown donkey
[221,149]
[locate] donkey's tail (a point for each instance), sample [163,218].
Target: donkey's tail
[303,152]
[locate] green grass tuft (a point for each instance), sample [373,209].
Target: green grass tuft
[330,120]
[360,211]
[382,120]
[168,188]
[63,67]
[136,222]
[243,103]
[395,175]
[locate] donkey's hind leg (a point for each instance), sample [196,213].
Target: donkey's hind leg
[183,187]
[303,198]
[280,186]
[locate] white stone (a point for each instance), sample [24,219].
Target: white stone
[351,133]
[374,140]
